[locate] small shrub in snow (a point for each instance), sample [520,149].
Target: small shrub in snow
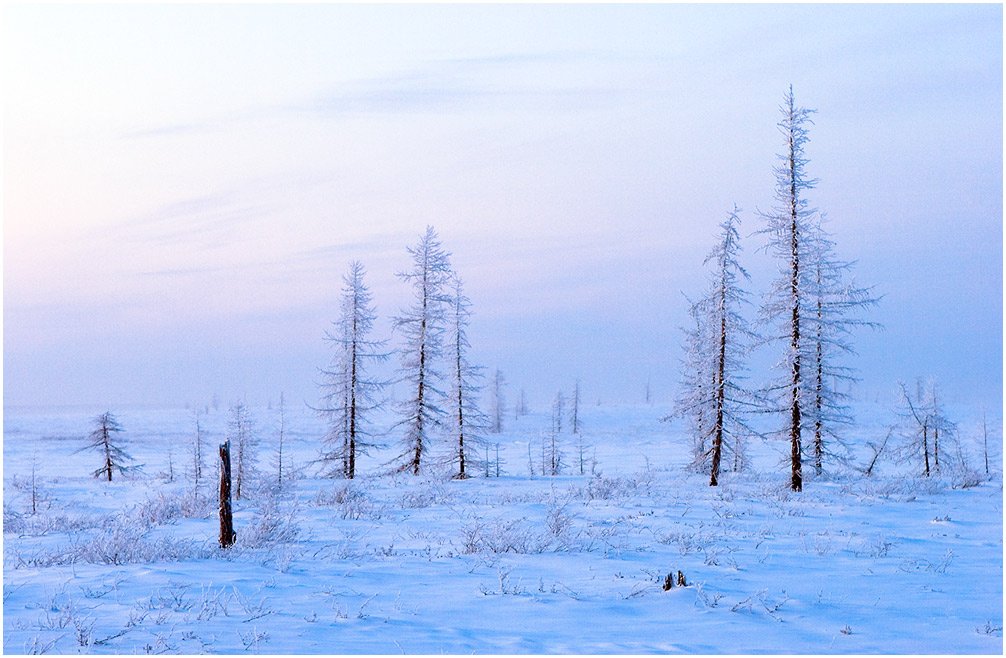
[351,502]
[501,536]
[990,628]
[433,493]
[272,526]
[165,508]
[600,487]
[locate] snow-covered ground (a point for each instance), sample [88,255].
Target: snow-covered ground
[511,564]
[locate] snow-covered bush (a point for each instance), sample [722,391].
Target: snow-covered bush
[497,536]
[273,525]
[350,500]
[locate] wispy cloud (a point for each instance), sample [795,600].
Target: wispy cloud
[205,220]
[502,82]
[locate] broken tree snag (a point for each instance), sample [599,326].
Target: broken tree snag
[227,534]
[668,581]
[681,580]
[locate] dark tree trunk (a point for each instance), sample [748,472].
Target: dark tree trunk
[721,364]
[925,445]
[108,453]
[227,534]
[936,448]
[351,473]
[796,475]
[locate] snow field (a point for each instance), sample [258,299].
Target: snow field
[515,564]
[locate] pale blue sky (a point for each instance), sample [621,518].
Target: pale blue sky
[184,185]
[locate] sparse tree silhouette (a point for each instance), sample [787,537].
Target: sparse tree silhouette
[422,326]
[574,411]
[104,439]
[497,403]
[581,452]
[240,434]
[926,426]
[468,420]
[280,438]
[985,441]
[834,313]
[350,393]
[34,480]
[551,461]
[198,449]
[520,409]
[557,410]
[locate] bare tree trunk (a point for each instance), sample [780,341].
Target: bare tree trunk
[721,362]
[461,423]
[352,403]
[34,487]
[936,447]
[876,454]
[796,479]
[282,431]
[227,534]
[417,455]
[925,444]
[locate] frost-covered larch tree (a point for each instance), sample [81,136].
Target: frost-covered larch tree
[104,440]
[731,337]
[349,392]
[422,326]
[713,395]
[197,452]
[278,455]
[468,421]
[558,404]
[925,421]
[835,310]
[240,433]
[790,225]
[694,398]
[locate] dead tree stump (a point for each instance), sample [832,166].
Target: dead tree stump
[227,534]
